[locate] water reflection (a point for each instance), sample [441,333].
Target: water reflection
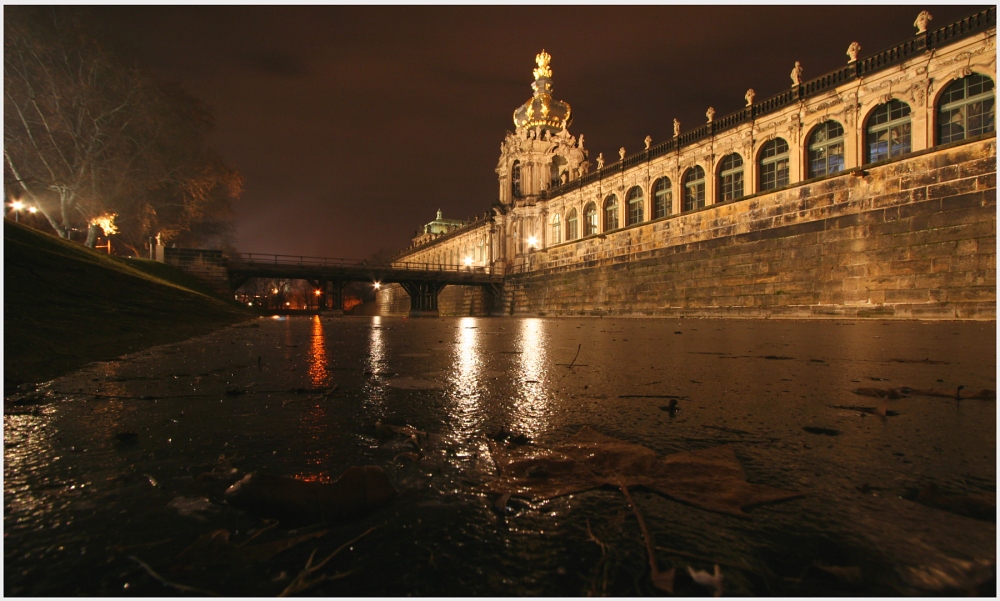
[375,363]
[318,374]
[531,411]
[467,375]
[376,347]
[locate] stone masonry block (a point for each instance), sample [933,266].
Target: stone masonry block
[952,188]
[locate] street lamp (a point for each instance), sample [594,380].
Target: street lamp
[377,285]
[17,205]
[468,261]
[532,242]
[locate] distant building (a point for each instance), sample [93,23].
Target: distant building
[559,208]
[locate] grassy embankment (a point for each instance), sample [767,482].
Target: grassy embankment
[65,306]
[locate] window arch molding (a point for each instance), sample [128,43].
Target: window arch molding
[941,101]
[825,149]
[662,195]
[729,177]
[572,230]
[591,219]
[634,200]
[610,210]
[556,228]
[886,131]
[773,164]
[693,186]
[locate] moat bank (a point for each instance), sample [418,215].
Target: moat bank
[66,305]
[914,238]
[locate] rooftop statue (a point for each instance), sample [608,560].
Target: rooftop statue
[852,51]
[797,74]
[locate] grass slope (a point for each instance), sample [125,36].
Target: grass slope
[65,306]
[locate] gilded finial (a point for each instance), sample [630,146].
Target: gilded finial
[543,65]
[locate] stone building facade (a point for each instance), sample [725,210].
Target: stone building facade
[862,148]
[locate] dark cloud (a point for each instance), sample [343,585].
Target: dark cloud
[354,124]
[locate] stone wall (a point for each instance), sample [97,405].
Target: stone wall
[910,238]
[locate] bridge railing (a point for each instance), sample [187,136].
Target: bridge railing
[253,259]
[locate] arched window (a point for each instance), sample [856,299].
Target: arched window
[555,169]
[694,188]
[571,225]
[556,229]
[663,198]
[590,214]
[826,149]
[515,180]
[731,177]
[774,165]
[888,133]
[966,109]
[611,213]
[634,198]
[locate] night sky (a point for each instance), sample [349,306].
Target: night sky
[353,125]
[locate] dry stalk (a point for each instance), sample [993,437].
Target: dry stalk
[175,585]
[301,582]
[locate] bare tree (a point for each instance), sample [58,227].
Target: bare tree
[87,137]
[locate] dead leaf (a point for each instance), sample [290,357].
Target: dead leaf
[358,489]
[713,582]
[977,506]
[710,479]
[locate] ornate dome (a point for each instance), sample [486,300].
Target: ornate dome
[541,110]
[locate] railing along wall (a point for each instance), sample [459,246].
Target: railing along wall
[928,40]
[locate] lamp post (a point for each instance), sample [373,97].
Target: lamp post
[17,205]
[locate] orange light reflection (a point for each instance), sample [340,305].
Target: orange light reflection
[318,374]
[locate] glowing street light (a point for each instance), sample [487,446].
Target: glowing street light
[468,261]
[533,242]
[32,210]
[319,292]
[377,285]
[17,206]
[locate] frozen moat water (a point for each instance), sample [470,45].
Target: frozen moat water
[118,471]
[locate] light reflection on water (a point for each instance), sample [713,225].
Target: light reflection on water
[531,409]
[467,374]
[318,374]
[375,362]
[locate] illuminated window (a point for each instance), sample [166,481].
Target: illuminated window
[731,178]
[634,201]
[694,188]
[590,214]
[966,109]
[888,133]
[611,213]
[826,149]
[556,229]
[663,198]
[571,232]
[774,165]
[515,179]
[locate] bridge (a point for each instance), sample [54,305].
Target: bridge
[422,281]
